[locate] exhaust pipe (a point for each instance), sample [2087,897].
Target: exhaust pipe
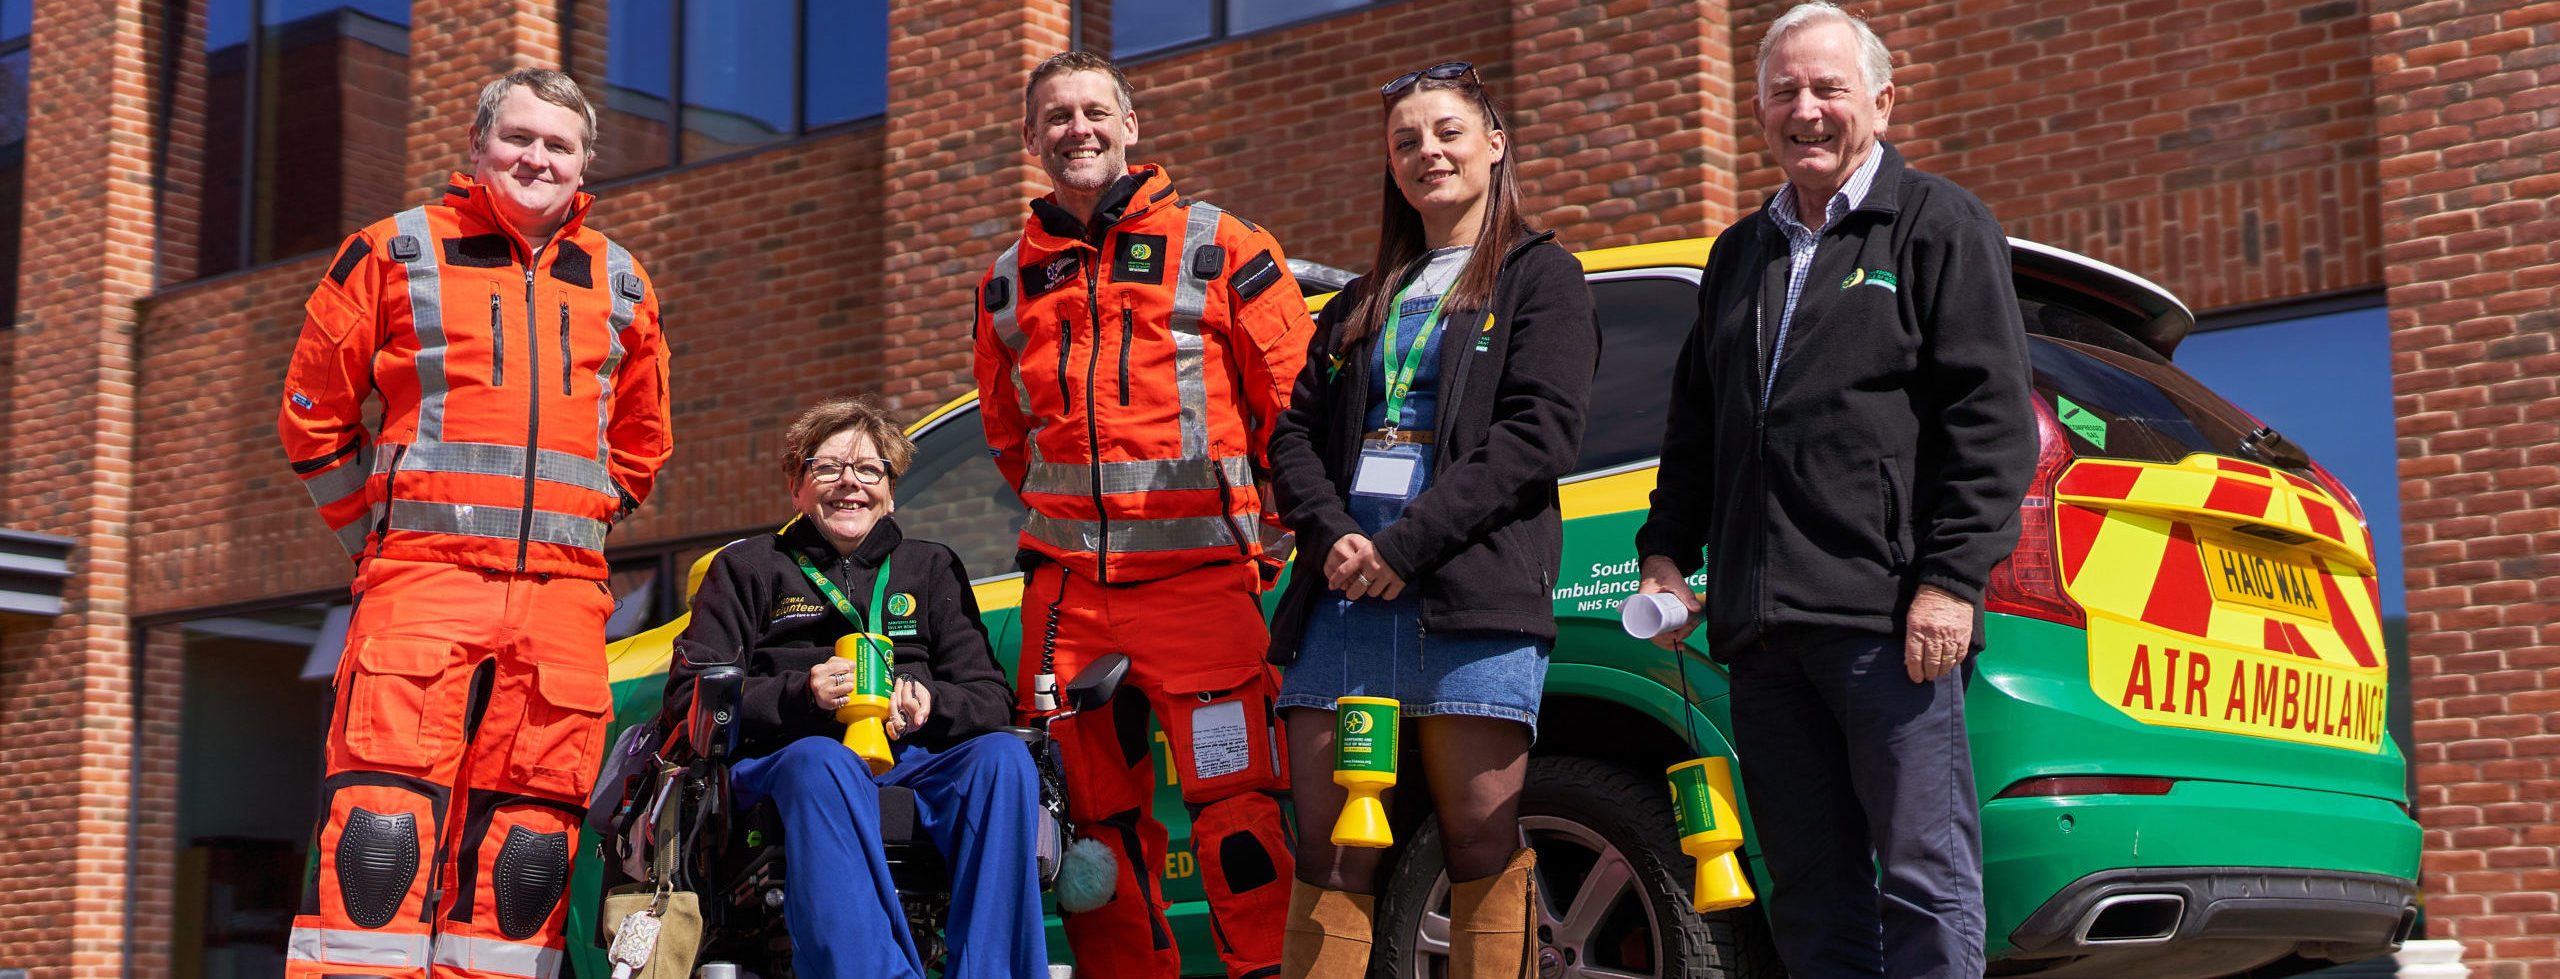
[2132,919]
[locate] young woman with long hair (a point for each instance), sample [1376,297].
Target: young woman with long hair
[1443,397]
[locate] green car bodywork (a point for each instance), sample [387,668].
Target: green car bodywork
[1626,707]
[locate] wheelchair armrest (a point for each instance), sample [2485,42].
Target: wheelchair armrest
[713,726]
[1029,736]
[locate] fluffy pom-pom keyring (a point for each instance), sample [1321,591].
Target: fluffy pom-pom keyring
[1086,876]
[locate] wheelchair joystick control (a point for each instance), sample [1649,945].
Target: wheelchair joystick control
[1044,692]
[866,712]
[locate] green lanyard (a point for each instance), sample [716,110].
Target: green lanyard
[835,596]
[1400,375]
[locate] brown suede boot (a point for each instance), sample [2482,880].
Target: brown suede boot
[1327,935]
[1493,922]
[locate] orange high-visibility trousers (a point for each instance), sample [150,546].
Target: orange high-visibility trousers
[470,713]
[1195,643]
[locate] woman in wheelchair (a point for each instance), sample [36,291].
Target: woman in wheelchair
[775,606]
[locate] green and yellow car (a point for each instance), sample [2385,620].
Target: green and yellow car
[2178,720]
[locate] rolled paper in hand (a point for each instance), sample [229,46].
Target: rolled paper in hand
[1710,832]
[866,713]
[1364,762]
[1651,614]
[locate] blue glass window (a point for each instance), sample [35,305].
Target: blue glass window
[304,130]
[1141,27]
[746,73]
[16,19]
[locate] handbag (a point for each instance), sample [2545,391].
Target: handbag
[679,913]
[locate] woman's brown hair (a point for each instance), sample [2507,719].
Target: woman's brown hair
[1400,241]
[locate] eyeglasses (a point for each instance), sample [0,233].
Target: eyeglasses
[868,472]
[1443,71]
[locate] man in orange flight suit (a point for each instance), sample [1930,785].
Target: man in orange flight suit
[1133,349]
[523,381]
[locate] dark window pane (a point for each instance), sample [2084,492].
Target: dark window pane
[1254,15]
[2325,382]
[13,106]
[954,494]
[737,75]
[387,11]
[846,54]
[1140,26]
[635,123]
[17,17]
[13,146]
[1642,325]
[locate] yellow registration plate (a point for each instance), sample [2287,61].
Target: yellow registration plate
[2260,581]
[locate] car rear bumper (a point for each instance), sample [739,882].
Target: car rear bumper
[2170,922]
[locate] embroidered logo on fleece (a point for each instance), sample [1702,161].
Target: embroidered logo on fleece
[1870,277]
[795,607]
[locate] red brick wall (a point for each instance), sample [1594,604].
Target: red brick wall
[2222,149]
[66,710]
[2468,102]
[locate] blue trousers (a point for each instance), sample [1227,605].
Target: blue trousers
[1861,785]
[978,799]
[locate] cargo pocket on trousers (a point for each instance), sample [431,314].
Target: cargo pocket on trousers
[399,716]
[564,722]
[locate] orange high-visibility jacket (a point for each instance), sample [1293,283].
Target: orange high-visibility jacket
[524,390]
[1128,378]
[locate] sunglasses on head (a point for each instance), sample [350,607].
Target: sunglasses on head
[1443,71]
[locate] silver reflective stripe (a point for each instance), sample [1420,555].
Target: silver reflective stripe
[1136,476]
[335,946]
[500,522]
[1190,301]
[617,263]
[1174,534]
[426,318]
[347,480]
[490,459]
[352,536]
[489,955]
[1008,270]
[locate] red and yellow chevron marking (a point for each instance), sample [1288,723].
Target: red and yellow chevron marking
[2224,595]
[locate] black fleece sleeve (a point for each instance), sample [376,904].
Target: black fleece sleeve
[724,629]
[1539,409]
[1981,452]
[1684,491]
[954,660]
[1304,495]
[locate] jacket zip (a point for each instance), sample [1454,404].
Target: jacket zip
[1092,430]
[497,344]
[1128,331]
[564,348]
[1892,520]
[533,409]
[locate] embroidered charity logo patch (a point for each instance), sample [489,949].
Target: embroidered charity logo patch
[1871,277]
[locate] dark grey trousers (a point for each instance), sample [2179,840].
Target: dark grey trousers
[1860,783]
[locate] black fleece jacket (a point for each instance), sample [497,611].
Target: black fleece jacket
[1897,440]
[1482,542]
[756,609]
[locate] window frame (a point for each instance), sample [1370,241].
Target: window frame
[1219,32]
[800,131]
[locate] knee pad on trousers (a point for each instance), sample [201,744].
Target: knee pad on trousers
[532,870]
[377,863]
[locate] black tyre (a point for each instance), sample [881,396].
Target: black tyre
[1612,882]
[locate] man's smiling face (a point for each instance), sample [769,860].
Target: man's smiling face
[1816,110]
[1080,134]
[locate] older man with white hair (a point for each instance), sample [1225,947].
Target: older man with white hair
[1849,438]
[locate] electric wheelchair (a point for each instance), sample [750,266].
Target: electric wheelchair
[674,787]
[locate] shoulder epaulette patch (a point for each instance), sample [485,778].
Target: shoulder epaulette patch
[357,249]
[1257,274]
[629,286]
[405,249]
[1208,261]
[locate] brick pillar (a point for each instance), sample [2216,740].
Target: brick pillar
[457,47]
[66,687]
[2468,120]
[1630,118]
[955,179]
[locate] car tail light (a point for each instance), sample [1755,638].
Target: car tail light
[2053,785]
[2029,581]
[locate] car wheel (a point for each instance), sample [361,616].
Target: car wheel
[1612,883]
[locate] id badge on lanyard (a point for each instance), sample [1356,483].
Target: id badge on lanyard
[1391,470]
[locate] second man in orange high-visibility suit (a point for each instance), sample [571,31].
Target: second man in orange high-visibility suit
[1133,349]
[522,375]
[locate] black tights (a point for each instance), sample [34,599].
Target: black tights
[1472,766]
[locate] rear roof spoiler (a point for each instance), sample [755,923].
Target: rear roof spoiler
[2151,314]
